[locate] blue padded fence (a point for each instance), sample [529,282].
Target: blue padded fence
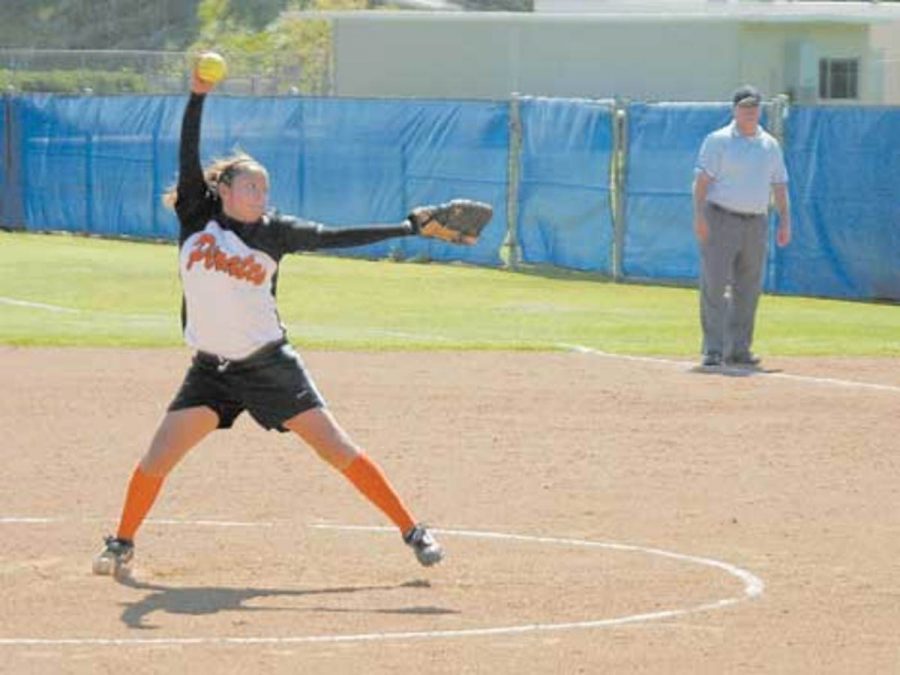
[663,141]
[95,164]
[101,165]
[844,166]
[564,215]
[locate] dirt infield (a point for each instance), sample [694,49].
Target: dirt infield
[667,521]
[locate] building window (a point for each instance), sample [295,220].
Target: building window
[838,78]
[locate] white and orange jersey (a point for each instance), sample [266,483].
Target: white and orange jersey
[228,292]
[229,269]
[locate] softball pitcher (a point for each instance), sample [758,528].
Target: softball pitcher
[230,247]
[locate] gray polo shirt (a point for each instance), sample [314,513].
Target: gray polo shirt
[742,168]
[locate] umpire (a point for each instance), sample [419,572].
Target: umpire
[739,167]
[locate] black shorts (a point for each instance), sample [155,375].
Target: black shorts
[271,384]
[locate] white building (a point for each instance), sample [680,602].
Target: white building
[675,50]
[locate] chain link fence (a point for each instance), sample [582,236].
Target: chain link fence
[157,72]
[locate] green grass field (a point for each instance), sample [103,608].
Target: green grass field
[70,290]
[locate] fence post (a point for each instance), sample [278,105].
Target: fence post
[7,161]
[511,243]
[778,107]
[88,182]
[12,198]
[156,190]
[777,112]
[617,189]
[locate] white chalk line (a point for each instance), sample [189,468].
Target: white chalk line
[753,587]
[38,305]
[166,318]
[688,364]
[567,347]
[752,584]
[88,314]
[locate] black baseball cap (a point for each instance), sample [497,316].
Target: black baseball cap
[747,96]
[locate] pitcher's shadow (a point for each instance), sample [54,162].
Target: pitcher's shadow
[201,600]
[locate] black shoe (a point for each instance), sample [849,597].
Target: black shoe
[711,360]
[744,360]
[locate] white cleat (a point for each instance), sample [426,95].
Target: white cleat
[115,558]
[428,551]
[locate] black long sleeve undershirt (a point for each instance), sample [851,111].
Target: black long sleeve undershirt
[276,234]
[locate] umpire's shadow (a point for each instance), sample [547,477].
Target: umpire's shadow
[733,371]
[211,599]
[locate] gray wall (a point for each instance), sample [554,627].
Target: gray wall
[464,58]
[398,54]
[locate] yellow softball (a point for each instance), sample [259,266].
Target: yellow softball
[211,67]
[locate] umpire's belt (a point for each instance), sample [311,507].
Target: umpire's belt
[222,364]
[736,214]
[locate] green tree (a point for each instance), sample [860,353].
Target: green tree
[292,53]
[98,24]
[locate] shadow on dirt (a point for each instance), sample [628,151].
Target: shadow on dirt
[202,600]
[733,371]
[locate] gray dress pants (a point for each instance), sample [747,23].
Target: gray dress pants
[732,257]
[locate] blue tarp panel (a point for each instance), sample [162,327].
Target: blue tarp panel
[844,167]
[663,142]
[367,160]
[93,164]
[564,215]
[101,164]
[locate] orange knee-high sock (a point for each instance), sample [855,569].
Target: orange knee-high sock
[371,481]
[142,491]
